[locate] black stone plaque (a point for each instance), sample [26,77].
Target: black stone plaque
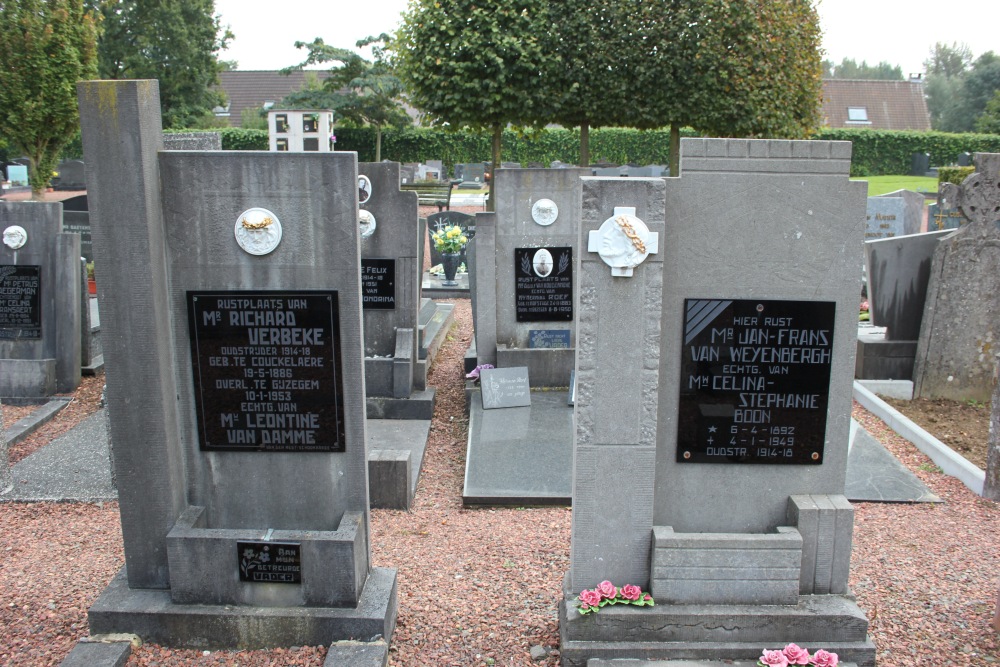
[270,562]
[267,370]
[378,284]
[543,284]
[20,301]
[755,381]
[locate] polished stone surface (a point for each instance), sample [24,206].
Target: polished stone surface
[520,455]
[874,475]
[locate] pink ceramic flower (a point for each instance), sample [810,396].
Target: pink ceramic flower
[796,655]
[607,590]
[630,592]
[823,658]
[592,598]
[773,659]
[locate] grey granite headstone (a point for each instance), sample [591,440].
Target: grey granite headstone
[956,351]
[505,387]
[39,303]
[389,258]
[535,209]
[193,322]
[884,218]
[913,209]
[767,221]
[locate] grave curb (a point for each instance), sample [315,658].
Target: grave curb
[24,427]
[943,456]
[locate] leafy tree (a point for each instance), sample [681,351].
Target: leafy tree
[731,69]
[587,75]
[945,70]
[361,92]
[478,65]
[979,87]
[46,46]
[175,41]
[850,69]
[989,121]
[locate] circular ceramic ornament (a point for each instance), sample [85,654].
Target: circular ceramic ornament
[258,231]
[544,212]
[15,237]
[366,222]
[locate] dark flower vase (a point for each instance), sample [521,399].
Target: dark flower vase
[450,262]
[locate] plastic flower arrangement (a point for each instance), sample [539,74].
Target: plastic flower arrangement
[474,375]
[794,654]
[450,239]
[591,601]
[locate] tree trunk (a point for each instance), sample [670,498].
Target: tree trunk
[378,143]
[675,149]
[585,144]
[497,135]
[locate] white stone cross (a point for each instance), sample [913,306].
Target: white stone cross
[623,241]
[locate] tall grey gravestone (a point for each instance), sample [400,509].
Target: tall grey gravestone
[884,217]
[528,284]
[717,318]
[231,304]
[390,294]
[913,210]
[39,302]
[956,351]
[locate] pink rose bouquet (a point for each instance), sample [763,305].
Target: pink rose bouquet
[793,655]
[606,593]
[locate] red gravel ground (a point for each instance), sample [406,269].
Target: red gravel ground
[481,587]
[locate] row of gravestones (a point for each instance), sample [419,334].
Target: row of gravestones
[709,321]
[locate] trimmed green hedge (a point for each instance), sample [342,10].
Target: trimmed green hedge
[884,152]
[876,152]
[953,174]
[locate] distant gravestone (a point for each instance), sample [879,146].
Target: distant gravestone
[920,163]
[39,302]
[408,172]
[72,176]
[390,284]
[913,209]
[76,219]
[959,335]
[444,219]
[884,218]
[965,159]
[940,216]
[526,273]
[505,387]
[17,174]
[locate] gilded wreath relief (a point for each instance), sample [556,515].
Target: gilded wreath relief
[258,231]
[623,241]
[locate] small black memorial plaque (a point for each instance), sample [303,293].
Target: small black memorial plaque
[755,381]
[543,284]
[20,301]
[270,562]
[378,284]
[267,370]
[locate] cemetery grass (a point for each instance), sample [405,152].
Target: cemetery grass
[482,586]
[880,185]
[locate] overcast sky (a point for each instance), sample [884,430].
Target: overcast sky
[898,31]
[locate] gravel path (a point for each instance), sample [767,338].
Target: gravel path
[481,587]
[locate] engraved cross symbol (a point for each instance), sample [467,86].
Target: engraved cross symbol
[978,197]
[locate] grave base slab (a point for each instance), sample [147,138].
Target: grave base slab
[698,632]
[880,359]
[152,616]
